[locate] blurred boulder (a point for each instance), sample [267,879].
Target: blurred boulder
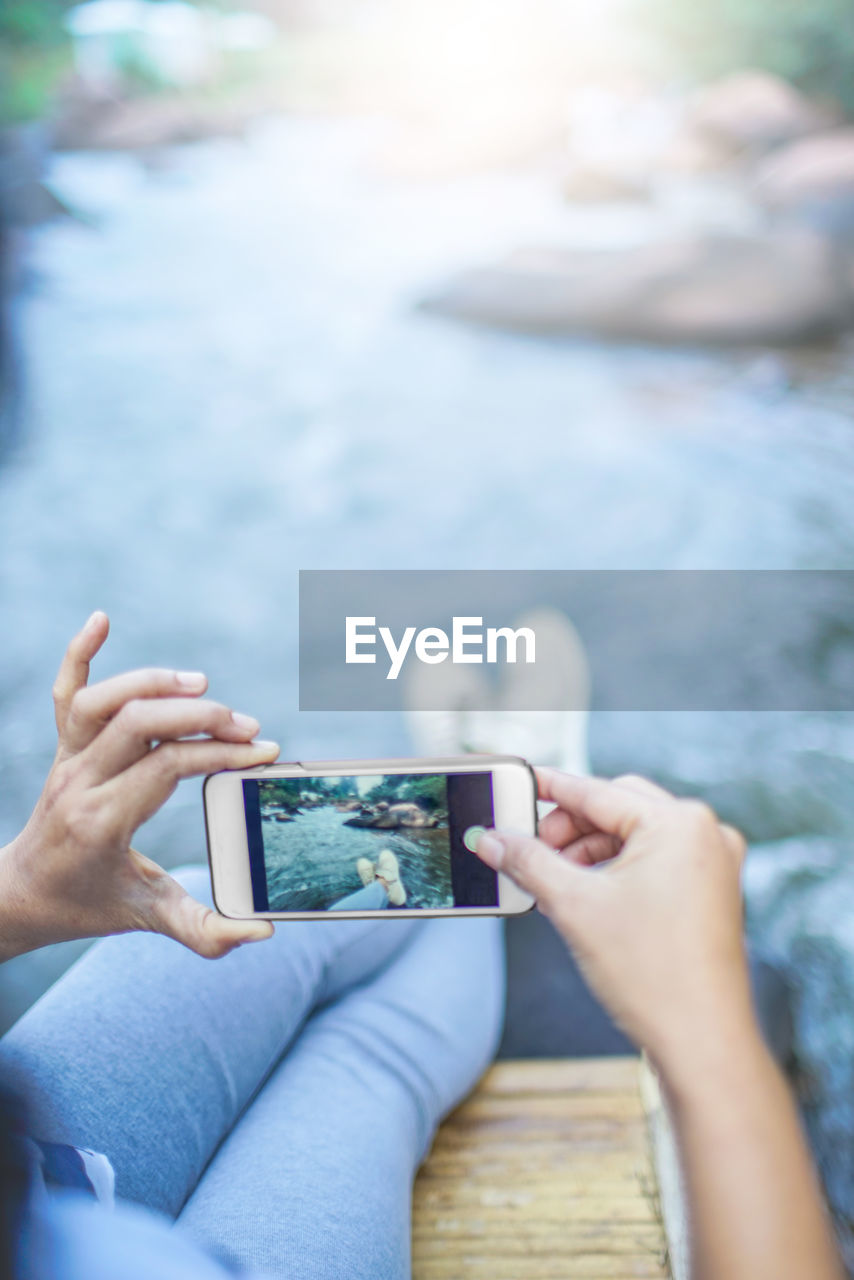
[585,184]
[753,110]
[409,814]
[783,287]
[693,150]
[813,178]
[93,120]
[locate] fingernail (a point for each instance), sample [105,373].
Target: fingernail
[265,745]
[193,681]
[247,723]
[491,849]
[93,619]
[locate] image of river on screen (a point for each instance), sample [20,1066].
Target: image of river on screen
[311,840]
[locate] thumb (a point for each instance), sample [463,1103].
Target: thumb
[180,916]
[534,866]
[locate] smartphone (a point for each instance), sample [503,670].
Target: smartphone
[352,838]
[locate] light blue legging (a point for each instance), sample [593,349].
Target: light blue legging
[277,1102]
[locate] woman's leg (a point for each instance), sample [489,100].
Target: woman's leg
[149,1053]
[315,1181]
[372,898]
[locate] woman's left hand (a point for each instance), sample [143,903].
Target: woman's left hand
[124,745]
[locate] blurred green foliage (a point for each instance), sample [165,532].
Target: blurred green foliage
[429,790]
[34,54]
[28,80]
[425,789]
[808,42]
[32,22]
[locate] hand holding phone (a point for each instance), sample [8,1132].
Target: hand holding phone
[123,745]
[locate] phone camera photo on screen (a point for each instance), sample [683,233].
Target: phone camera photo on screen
[313,842]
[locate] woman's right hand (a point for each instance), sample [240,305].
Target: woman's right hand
[645,888]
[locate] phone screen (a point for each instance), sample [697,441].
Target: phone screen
[368,842]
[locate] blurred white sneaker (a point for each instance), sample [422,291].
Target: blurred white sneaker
[560,676]
[440,701]
[388,873]
[366,870]
[470,718]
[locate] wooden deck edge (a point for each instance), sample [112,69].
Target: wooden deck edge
[671,1190]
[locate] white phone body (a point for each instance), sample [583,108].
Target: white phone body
[514,801]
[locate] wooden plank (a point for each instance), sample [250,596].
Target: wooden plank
[544,1172]
[606,1240]
[553,1108]
[557,1209]
[473,1265]
[562,1075]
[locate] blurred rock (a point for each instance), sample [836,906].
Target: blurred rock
[388,817]
[813,178]
[782,287]
[693,150]
[753,110]
[93,120]
[588,185]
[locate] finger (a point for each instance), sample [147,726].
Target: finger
[74,668]
[133,731]
[560,828]
[590,850]
[643,787]
[92,706]
[576,840]
[173,912]
[735,841]
[605,805]
[531,864]
[139,791]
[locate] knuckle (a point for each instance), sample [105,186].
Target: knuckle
[167,758]
[736,840]
[215,713]
[132,717]
[60,780]
[631,780]
[698,815]
[155,680]
[78,706]
[214,948]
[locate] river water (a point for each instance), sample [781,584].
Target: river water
[311,861]
[229,380]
